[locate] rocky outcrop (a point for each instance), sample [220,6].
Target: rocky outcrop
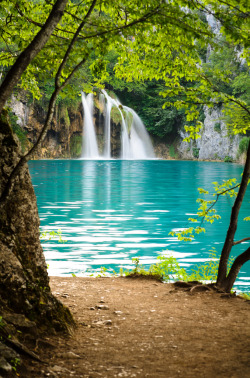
[24,280]
[215,142]
[64,138]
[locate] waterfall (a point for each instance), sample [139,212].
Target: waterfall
[135,141]
[90,148]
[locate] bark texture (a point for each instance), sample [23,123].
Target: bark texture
[24,286]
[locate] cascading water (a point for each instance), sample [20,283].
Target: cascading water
[90,148]
[135,141]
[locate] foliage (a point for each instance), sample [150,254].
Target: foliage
[196,152]
[48,235]
[168,268]
[15,363]
[206,211]
[217,127]
[208,271]
[228,159]
[172,151]
[243,145]
[245,296]
[76,145]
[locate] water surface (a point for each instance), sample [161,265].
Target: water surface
[112,211]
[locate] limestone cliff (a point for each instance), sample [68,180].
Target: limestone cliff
[215,142]
[64,138]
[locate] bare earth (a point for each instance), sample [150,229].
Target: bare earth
[143,328]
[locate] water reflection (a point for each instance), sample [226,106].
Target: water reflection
[111,211]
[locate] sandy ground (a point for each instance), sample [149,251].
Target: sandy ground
[143,328]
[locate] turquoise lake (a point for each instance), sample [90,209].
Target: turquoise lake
[110,211]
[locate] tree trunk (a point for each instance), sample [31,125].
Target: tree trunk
[24,280]
[24,59]
[222,282]
[234,271]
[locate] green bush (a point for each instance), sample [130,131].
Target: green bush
[168,268]
[172,152]
[217,127]
[76,146]
[196,152]
[243,145]
[228,159]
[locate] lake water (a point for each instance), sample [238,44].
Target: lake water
[112,211]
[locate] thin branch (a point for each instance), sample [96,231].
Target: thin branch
[215,201]
[69,49]
[241,241]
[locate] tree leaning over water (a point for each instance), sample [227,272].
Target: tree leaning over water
[154,40]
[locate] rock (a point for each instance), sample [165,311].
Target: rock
[102,307]
[7,352]
[214,144]
[5,367]
[102,323]
[21,323]
[118,312]
[59,369]
[69,355]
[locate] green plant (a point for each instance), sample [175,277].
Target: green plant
[245,296]
[168,268]
[172,152]
[48,235]
[196,152]
[136,260]
[217,127]
[243,145]
[228,159]
[208,271]
[14,363]
[76,146]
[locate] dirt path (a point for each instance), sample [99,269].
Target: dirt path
[139,328]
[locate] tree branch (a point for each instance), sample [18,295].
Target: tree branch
[241,241]
[24,59]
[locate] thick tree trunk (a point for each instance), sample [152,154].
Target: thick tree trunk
[222,282]
[24,280]
[24,59]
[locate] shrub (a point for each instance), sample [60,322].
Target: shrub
[228,159]
[172,152]
[243,145]
[217,127]
[76,146]
[196,152]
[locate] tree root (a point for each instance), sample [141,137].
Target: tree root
[198,287]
